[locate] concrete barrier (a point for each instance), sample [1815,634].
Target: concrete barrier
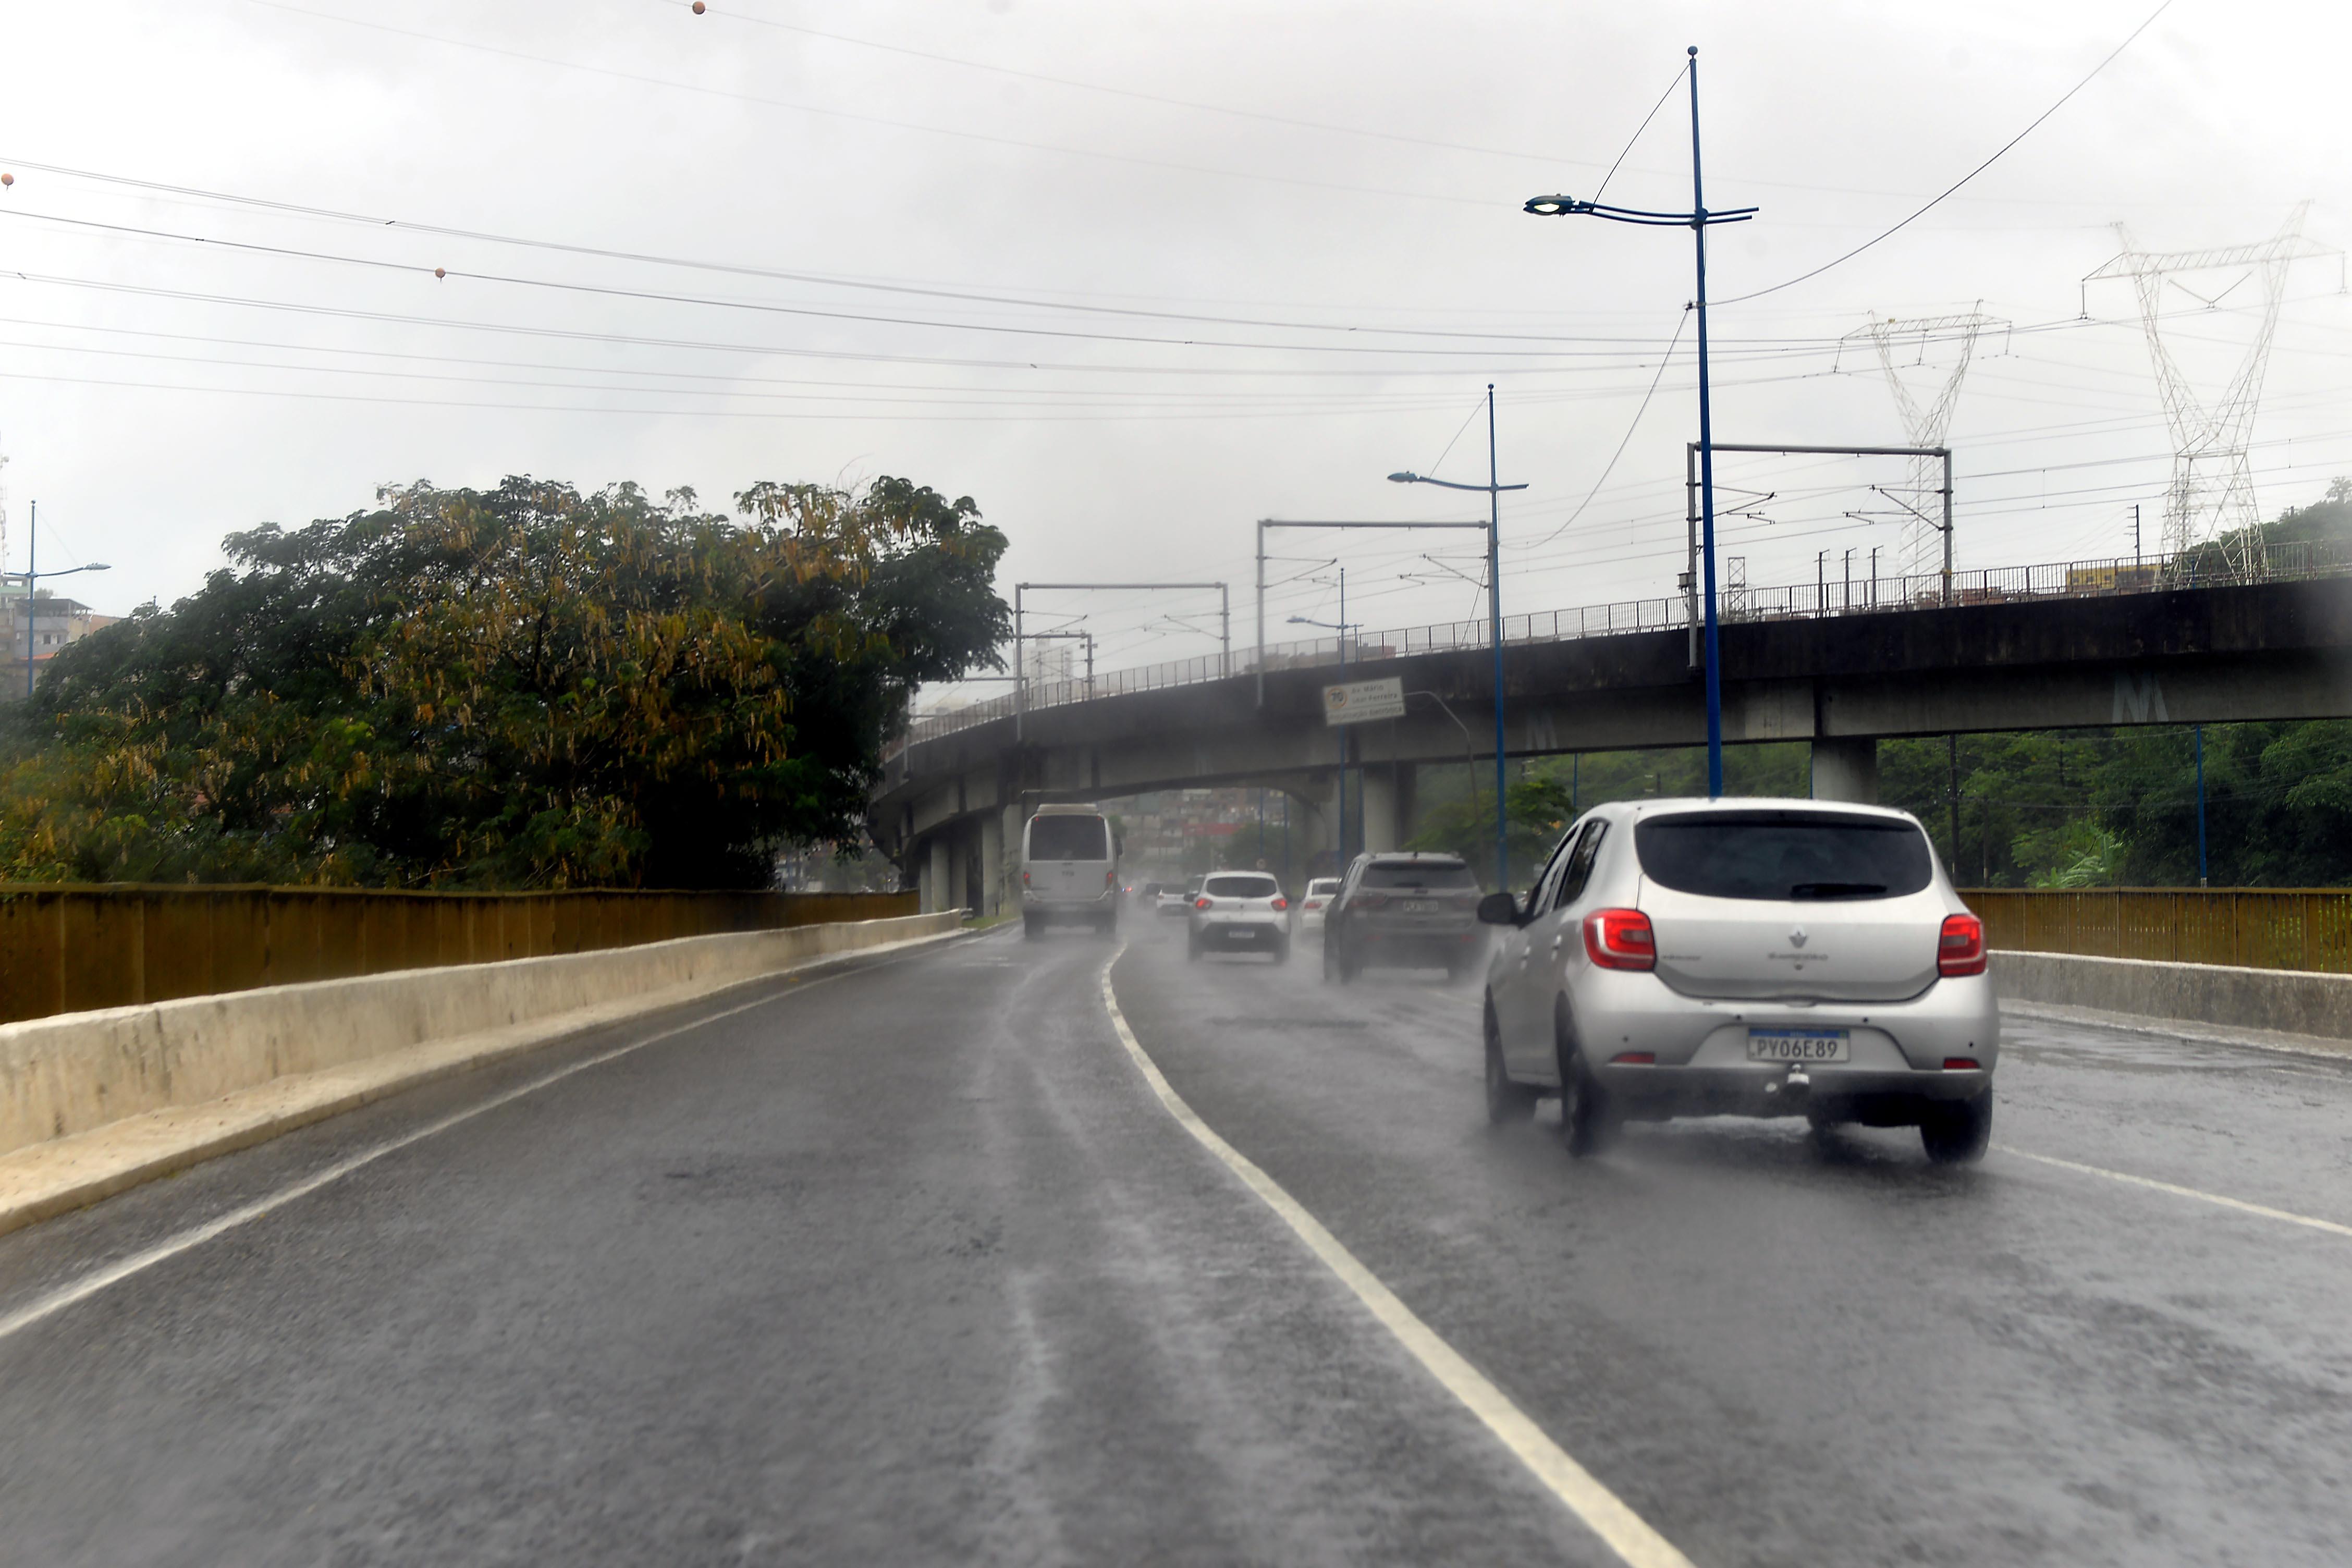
[2280,1001]
[94,1103]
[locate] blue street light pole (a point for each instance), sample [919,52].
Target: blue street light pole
[1494,486]
[1696,220]
[2201,806]
[32,584]
[1343,628]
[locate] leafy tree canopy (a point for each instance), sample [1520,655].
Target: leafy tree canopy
[517,687]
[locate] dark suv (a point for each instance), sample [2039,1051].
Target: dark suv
[1403,912]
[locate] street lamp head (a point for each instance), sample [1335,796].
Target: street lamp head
[1407,477]
[1550,207]
[97,566]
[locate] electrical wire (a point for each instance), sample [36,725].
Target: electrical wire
[1964,179]
[1632,426]
[1679,74]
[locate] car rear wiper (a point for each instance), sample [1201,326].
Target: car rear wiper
[1836,889]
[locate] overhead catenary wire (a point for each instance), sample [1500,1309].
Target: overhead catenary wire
[1933,202]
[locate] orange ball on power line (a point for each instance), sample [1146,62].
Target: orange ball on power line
[438,273]
[698,7]
[8,179]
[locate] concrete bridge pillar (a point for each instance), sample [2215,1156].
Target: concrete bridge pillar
[931,873]
[959,883]
[1387,792]
[1847,768]
[1311,831]
[990,891]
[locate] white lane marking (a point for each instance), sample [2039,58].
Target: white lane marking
[91,1284]
[1601,1510]
[2179,1191]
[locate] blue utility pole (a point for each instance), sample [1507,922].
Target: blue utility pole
[1495,634]
[1696,220]
[2200,805]
[1706,465]
[1494,486]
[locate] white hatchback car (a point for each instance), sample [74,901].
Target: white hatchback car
[1240,911]
[1744,957]
[1319,894]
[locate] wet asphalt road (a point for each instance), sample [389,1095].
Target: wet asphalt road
[907,1265]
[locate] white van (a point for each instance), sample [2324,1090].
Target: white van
[1070,870]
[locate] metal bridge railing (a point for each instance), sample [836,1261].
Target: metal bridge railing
[2254,928]
[2203,567]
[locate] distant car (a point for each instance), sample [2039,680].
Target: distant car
[1070,870]
[1744,957]
[1319,894]
[1176,903]
[1240,911]
[1403,912]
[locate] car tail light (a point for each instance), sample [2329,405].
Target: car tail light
[1025,879]
[1962,1064]
[1202,903]
[1281,903]
[1961,949]
[1620,939]
[1312,904]
[1634,1059]
[1110,877]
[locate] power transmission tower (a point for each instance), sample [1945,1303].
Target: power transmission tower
[2212,489]
[1897,339]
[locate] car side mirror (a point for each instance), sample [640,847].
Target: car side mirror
[1498,909]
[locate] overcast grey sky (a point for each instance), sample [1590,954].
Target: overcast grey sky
[1132,276]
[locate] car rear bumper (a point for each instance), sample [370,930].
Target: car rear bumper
[1897,1051]
[1257,934]
[1414,947]
[1077,912]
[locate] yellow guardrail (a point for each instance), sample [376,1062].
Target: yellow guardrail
[2257,928]
[67,947]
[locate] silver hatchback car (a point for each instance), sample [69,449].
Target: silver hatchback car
[1748,957]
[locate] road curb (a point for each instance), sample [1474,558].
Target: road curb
[44,1180]
[2186,1030]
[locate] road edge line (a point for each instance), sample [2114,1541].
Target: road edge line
[2240,1205]
[1600,1510]
[107,1161]
[51,1302]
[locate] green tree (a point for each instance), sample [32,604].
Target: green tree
[520,687]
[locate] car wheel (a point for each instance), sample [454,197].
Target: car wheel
[1282,953]
[1507,1102]
[1957,1132]
[1031,928]
[1331,965]
[1586,1123]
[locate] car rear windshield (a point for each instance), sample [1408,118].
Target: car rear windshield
[1411,875]
[1240,888]
[1784,855]
[1069,838]
[1322,885]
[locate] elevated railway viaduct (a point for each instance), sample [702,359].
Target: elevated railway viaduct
[949,803]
